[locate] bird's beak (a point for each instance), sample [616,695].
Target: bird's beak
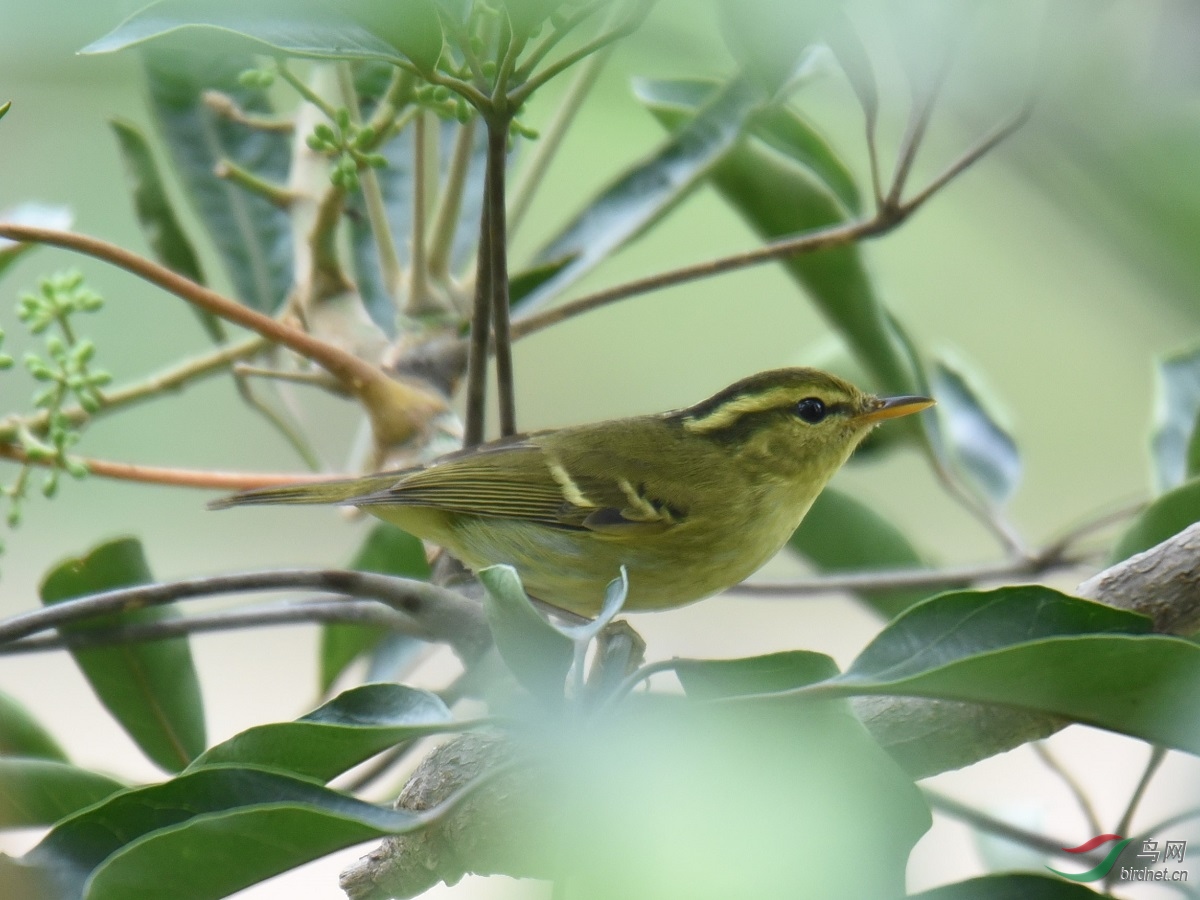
[894,408]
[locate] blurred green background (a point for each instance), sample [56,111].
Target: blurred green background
[1061,266]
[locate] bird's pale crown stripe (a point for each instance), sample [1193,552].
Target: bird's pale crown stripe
[733,409]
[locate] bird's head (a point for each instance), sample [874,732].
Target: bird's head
[793,421]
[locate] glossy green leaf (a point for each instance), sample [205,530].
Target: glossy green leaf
[252,235]
[353,29]
[40,215]
[840,534]
[337,736]
[23,735]
[789,133]
[1033,648]
[1176,450]
[646,192]
[780,198]
[533,649]
[37,792]
[388,551]
[151,688]
[204,834]
[157,218]
[1167,516]
[1010,886]
[977,446]
[706,679]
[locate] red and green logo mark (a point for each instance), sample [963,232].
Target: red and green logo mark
[1109,861]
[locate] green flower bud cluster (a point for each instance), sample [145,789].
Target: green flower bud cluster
[257,78]
[64,372]
[352,145]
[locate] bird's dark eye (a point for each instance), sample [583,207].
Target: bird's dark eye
[811,410]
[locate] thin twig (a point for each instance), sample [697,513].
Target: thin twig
[311,379]
[547,145]
[983,822]
[307,612]
[285,426]
[305,91]
[551,40]
[1052,762]
[498,250]
[276,194]
[381,230]
[481,326]
[886,579]
[168,381]
[521,94]
[838,235]
[203,479]
[227,108]
[914,135]
[445,221]
[419,299]
[1157,755]
[445,615]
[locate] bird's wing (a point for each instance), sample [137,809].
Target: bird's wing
[524,479]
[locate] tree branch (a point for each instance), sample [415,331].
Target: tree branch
[445,616]
[398,410]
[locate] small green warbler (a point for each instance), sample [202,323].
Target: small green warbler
[689,501]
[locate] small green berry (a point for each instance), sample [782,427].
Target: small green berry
[50,484]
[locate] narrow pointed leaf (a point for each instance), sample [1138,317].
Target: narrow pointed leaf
[41,215]
[1168,515]
[155,215]
[39,792]
[789,133]
[150,688]
[353,29]
[707,679]
[204,834]
[840,534]
[533,649]
[388,551]
[1036,649]
[337,736]
[977,446]
[780,198]
[23,735]
[1175,446]
[648,190]
[252,235]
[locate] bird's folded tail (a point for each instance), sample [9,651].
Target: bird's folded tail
[344,490]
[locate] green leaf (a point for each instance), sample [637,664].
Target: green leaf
[1174,444]
[388,551]
[707,679]
[227,827]
[40,215]
[840,534]
[780,198]
[151,688]
[789,133]
[1012,886]
[353,29]
[1033,648]
[526,16]
[646,192]
[769,37]
[252,235]
[533,649]
[37,792]
[23,735]
[352,727]
[159,224]
[975,444]
[1165,517]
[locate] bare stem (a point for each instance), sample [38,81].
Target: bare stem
[983,822]
[445,222]
[275,194]
[226,107]
[1052,762]
[547,145]
[481,327]
[1157,755]
[443,614]
[169,381]
[419,299]
[286,427]
[381,231]
[498,250]
[190,478]
[551,40]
